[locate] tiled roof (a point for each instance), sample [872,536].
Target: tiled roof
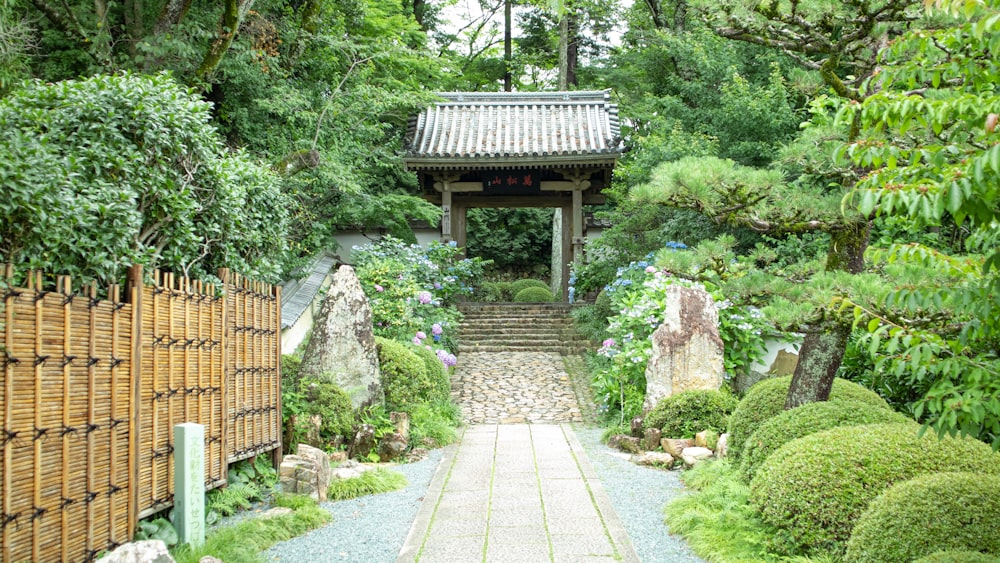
[483,130]
[297,295]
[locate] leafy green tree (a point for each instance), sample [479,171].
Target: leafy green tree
[513,239]
[928,131]
[114,170]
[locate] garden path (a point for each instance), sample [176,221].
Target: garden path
[514,387]
[510,491]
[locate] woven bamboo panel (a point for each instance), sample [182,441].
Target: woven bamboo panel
[253,392]
[66,408]
[182,381]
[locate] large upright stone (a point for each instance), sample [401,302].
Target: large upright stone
[342,348]
[687,350]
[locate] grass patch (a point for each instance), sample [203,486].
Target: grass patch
[717,521]
[434,424]
[368,483]
[243,542]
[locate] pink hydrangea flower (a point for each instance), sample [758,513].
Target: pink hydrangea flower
[424,297]
[436,329]
[421,335]
[650,269]
[379,288]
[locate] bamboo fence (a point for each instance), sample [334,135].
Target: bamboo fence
[92,389]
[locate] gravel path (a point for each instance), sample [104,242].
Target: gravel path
[639,495]
[372,529]
[364,530]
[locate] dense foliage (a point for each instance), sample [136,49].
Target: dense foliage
[804,420]
[534,295]
[686,413]
[766,399]
[815,488]
[946,511]
[109,171]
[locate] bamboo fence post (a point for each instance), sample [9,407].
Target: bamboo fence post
[64,286]
[276,323]
[8,393]
[135,288]
[186,285]
[171,285]
[113,414]
[36,484]
[223,375]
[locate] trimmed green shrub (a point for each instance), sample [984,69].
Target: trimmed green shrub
[815,488]
[805,420]
[958,557]
[404,374]
[328,401]
[440,383]
[958,511]
[493,292]
[519,285]
[534,295]
[604,306]
[688,412]
[766,399]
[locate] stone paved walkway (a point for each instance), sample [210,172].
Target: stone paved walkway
[514,387]
[516,493]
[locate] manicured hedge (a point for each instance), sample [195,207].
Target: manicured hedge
[766,399]
[519,285]
[688,412]
[805,420]
[404,375]
[534,295]
[437,376]
[954,511]
[815,488]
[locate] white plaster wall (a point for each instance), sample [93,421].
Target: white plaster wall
[774,345]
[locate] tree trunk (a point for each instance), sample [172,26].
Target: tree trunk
[232,17]
[819,360]
[507,51]
[564,51]
[572,50]
[822,351]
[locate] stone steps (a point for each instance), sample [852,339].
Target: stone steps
[519,327]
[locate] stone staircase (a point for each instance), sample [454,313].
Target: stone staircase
[519,327]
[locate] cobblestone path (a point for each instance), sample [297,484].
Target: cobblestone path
[513,388]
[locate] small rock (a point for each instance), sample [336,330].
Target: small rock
[722,446]
[210,559]
[674,446]
[401,421]
[392,446]
[271,513]
[625,443]
[416,454]
[147,551]
[706,439]
[339,456]
[637,427]
[651,438]
[695,454]
[364,441]
[655,459]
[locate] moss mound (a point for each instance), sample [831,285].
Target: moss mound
[766,399]
[440,383]
[534,295]
[951,511]
[688,412]
[519,285]
[404,374]
[958,557]
[805,420]
[815,488]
